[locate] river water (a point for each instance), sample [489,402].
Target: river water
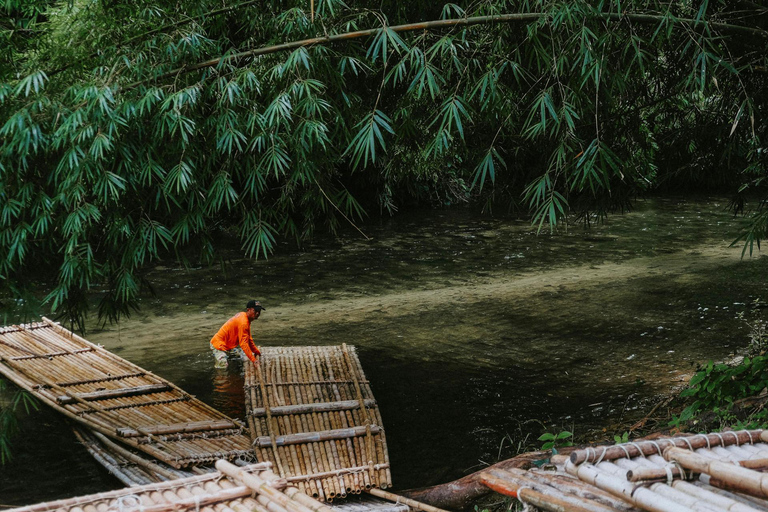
[476,333]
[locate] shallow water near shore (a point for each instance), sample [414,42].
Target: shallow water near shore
[474,331]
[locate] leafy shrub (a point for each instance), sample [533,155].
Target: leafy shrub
[717,389]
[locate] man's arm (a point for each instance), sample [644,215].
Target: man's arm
[246,343]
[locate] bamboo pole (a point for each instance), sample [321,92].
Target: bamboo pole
[543,480]
[638,495]
[417,505]
[693,496]
[260,486]
[314,437]
[107,461]
[732,476]
[101,379]
[178,428]
[295,494]
[195,501]
[549,499]
[645,474]
[146,464]
[113,393]
[605,453]
[370,454]
[438,24]
[269,418]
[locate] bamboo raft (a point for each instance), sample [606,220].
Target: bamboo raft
[130,467]
[705,472]
[311,413]
[118,399]
[253,488]
[134,469]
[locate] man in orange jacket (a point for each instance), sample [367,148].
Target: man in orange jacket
[237,331]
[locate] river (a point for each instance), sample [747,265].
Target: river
[477,333]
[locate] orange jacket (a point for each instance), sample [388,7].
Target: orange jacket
[236,331]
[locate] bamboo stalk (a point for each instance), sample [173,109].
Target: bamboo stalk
[438,24]
[550,499]
[332,473]
[310,437]
[569,485]
[101,379]
[133,405]
[293,493]
[260,486]
[757,464]
[637,495]
[363,411]
[730,475]
[51,355]
[401,499]
[106,460]
[650,447]
[146,464]
[178,428]
[195,501]
[269,418]
[644,474]
[113,393]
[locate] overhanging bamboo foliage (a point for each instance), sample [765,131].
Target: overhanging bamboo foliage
[131,131]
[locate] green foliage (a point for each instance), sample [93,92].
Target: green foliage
[555,441]
[133,131]
[621,439]
[717,388]
[10,403]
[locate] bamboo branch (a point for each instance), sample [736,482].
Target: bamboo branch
[438,24]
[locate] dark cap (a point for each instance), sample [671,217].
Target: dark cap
[255,305]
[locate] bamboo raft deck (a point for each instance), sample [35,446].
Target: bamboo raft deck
[311,413]
[706,472]
[118,399]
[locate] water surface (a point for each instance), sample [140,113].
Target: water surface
[475,332]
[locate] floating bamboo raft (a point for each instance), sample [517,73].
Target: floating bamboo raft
[706,472]
[312,414]
[118,399]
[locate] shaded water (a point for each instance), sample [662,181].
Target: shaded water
[473,331]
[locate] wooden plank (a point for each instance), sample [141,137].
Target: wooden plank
[313,437]
[114,393]
[282,410]
[177,428]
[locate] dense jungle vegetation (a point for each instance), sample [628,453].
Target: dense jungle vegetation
[131,131]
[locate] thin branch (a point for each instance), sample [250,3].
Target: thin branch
[438,24]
